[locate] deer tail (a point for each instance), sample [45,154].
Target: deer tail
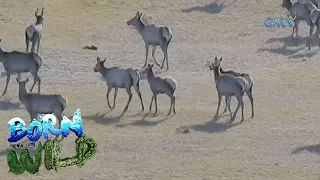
[172,83]
[135,76]
[62,101]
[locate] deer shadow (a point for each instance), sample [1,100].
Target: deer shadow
[7,104]
[144,122]
[100,119]
[315,149]
[288,47]
[213,127]
[213,8]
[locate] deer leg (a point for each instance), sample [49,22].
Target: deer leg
[165,56]
[33,46]
[153,52]
[156,103]
[107,95]
[147,52]
[174,104]
[249,93]
[59,117]
[227,99]
[137,89]
[130,97]
[318,31]
[170,106]
[242,109]
[38,45]
[150,106]
[36,78]
[115,96]
[27,42]
[297,28]
[236,111]
[215,118]
[230,108]
[7,82]
[310,36]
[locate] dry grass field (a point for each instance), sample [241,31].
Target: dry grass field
[280,142]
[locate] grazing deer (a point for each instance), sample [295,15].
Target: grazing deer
[160,85]
[228,85]
[20,62]
[33,32]
[248,91]
[302,12]
[154,36]
[41,104]
[119,78]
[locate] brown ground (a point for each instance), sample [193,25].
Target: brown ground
[280,142]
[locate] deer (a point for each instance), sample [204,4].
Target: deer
[116,78]
[21,62]
[33,32]
[159,85]
[36,103]
[228,86]
[302,12]
[248,91]
[154,36]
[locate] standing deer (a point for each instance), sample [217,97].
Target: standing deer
[119,78]
[302,12]
[20,62]
[33,32]
[154,36]
[41,104]
[228,85]
[160,85]
[248,91]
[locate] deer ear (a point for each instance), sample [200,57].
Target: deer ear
[42,11]
[98,59]
[104,60]
[138,13]
[220,59]
[36,12]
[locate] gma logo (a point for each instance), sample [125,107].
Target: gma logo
[280,22]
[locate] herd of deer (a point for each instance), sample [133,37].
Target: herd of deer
[228,83]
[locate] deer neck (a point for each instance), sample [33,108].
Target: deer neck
[103,71]
[288,5]
[221,70]
[22,94]
[216,72]
[150,74]
[140,26]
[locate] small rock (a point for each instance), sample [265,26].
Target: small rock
[304,59]
[182,129]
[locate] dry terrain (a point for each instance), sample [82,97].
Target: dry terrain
[280,142]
